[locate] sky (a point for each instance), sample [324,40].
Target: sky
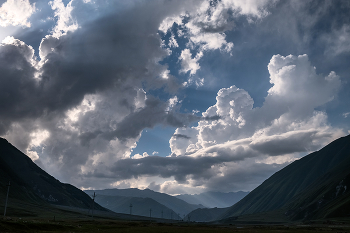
[182,96]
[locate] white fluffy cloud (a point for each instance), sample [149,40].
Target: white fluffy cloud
[289,107]
[16,12]
[286,125]
[204,27]
[188,63]
[65,21]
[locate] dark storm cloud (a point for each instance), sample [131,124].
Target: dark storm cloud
[112,53]
[288,144]
[113,50]
[244,177]
[180,167]
[155,112]
[177,136]
[17,84]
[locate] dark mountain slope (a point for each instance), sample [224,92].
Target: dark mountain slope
[29,183]
[177,205]
[140,206]
[327,197]
[285,184]
[205,214]
[213,199]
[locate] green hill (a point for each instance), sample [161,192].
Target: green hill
[298,187]
[31,184]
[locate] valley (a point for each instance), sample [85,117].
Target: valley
[311,194]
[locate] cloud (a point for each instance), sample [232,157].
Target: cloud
[173,42]
[289,106]
[286,125]
[188,63]
[16,60]
[79,103]
[113,53]
[338,41]
[65,21]
[181,136]
[16,12]
[88,88]
[287,143]
[155,187]
[204,27]
[181,168]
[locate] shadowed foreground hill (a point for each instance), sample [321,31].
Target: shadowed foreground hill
[29,183]
[205,214]
[315,186]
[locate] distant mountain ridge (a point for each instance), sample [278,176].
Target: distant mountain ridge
[140,206]
[302,187]
[214,199]
[179,206]
[30,183]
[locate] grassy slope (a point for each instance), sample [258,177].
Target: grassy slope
[107,226]
[285,184]
[205,214]
[29,183]
[327,197]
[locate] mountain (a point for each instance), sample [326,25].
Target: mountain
[302,187]
[140,206]
[328,197]
[29,183]
[179,206]
[213,199]
[205,214]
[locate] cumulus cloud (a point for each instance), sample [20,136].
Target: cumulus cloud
[79,108]
[204,27]
[188,63]
[243,146]
[16,12]
[286,124]
[155,112]
[65,21]
[289,106]
[82,104]
[173,42]
[181,168]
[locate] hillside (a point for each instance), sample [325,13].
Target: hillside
[328,197]
[299,184]
[29,183]
[179,206]
[205,214]
[213,199]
